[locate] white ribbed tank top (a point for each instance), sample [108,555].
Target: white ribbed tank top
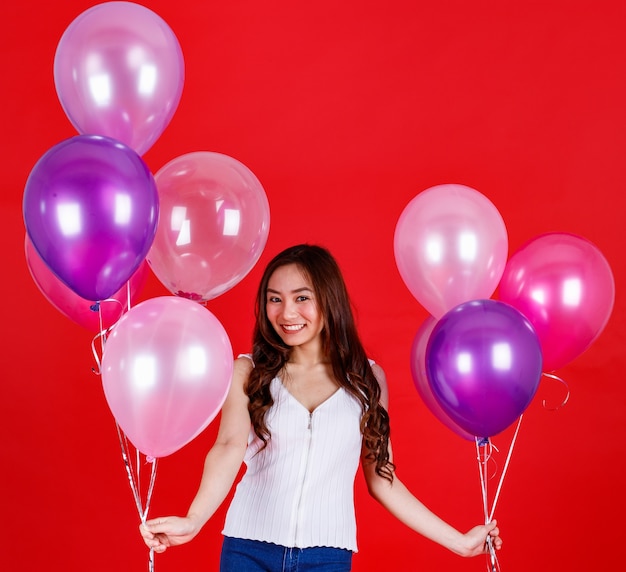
[299,490]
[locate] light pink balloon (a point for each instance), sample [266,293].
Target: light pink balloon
[85,313]
[166,370]
[213,225]
[450,247]
[119,72]
[564,285]
[420,378]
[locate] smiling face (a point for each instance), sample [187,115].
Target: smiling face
[292,308]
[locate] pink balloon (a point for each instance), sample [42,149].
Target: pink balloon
[86,313]
[213,226]
[166,370]
[420,378]
[564,285]
[450,246]
[119,71]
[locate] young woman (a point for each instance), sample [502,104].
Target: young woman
[304,409]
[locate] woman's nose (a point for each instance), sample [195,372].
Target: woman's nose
[289,309]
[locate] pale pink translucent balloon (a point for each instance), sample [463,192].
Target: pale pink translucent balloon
[213,224]
[85,313]
[564,285]
[420,378]
[119,72]
[166,370]
[450,247]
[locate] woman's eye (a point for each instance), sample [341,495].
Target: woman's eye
[273,299]
[302,298]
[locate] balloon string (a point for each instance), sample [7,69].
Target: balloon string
[100,322]
[103,333]
[564,402]
[98,306]
[506,466]
[481,472]
[492,564]
[96,356]
[135,483]
[129,469]
[153,463]
[486,446]
[128,300]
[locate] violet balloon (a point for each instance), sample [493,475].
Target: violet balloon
[86,313]
[166,370]
[420,378]
[214,224]
[91,211]
[119,72]
[564,285]
[483,361]
[450,246]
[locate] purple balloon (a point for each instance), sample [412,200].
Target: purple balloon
[91,211]
[119,72]
[483,361]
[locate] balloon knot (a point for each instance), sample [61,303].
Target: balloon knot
[483,441]
[189,295]
[95,307]
[150,459]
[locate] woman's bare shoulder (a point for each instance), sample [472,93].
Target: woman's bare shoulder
[379,374]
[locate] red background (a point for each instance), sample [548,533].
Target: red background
[344,111]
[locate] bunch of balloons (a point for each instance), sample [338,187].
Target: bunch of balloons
[477,362]
[97,220]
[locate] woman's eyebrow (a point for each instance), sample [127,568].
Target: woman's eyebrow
[303,289]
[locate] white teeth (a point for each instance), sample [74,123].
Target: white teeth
[293,328]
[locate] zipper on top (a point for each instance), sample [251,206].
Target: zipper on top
[305,462]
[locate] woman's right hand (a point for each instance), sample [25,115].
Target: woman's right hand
[161,533]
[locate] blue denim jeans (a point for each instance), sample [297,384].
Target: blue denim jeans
[254,556]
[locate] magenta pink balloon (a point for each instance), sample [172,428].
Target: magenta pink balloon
[86,313]
[119,72]
[450,246]
[166,370]
[213,226]
[564,285]
[420,378]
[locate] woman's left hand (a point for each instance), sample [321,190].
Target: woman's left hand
[476,539]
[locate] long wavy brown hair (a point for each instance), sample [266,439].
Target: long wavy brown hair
[340,342]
